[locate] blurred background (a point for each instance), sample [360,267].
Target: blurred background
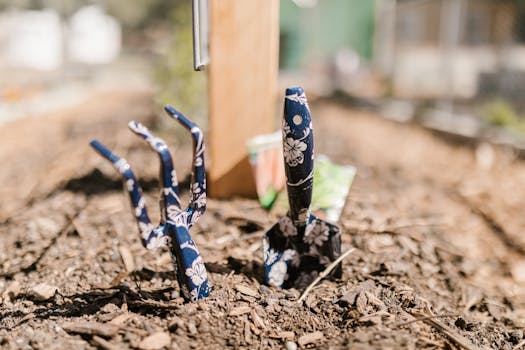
[54,53]
[453,65]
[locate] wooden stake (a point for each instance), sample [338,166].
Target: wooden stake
[244,50]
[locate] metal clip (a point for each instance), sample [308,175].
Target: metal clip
[200,34]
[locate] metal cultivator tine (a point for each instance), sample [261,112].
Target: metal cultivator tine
[198,178]
[170,189]
[151,237]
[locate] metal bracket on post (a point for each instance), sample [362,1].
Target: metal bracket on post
[200,34]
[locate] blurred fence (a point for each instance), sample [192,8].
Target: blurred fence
[452,49]
[459,63]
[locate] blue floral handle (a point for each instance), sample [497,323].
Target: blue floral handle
[175,222]
[298,148]
[300,245]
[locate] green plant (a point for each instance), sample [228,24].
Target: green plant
[501,113]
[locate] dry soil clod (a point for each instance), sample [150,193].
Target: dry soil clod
[104,344]
[155,341]
[106,330]
[246,290]
[310,338]
[43,291]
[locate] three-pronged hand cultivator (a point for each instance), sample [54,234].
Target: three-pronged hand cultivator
[175,222]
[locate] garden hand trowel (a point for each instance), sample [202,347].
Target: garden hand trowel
[300,245]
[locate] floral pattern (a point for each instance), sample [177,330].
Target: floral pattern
[122,166]
[289,260]
[287,227]
[174,180]
[139,208]
[277,273]
[278,264]
[299,97]
[316,233]
[200,200]
[176,223]
[270,255]
[293,151]
[145,228]
[173,212]
[286,128]
[158,241]
[300,245]
[197,272]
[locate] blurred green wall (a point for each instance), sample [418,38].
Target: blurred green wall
[313,33]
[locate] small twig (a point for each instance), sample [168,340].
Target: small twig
[324,273]
[395,228]
[447,331]
[24,319]
[373,314]
[423,319]
[154,304]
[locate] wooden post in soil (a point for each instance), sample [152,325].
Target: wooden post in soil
[244,50]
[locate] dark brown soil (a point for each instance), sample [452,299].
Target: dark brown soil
[439,260]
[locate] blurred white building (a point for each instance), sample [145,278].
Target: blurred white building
[93,37]
[34,39]
[41,40]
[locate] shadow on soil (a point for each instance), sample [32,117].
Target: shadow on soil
[96,182]
[157,302]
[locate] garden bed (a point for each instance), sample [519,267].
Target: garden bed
[439,259]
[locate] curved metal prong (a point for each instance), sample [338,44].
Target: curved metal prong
[185,122]
[198,179]
[170,190]
[151,237]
